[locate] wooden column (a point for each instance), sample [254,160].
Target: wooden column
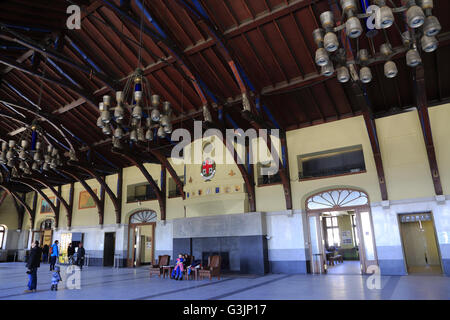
[422,107]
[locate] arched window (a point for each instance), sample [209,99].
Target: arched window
[143,217]
[335,199]
[2,235]
[47,224]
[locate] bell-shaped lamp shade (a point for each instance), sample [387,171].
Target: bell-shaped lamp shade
[365,74]
[343,75]
[155,115]
[390,69]
[161,132]
[429,44]
[137,112]
[413,58]
[432,26]
[415,17]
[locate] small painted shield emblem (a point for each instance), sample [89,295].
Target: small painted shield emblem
[208,169]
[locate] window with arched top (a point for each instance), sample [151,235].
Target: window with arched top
[336,199]
[143,217]
[47,224]
[2,235]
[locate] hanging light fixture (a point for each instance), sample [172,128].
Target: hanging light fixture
[137,111]
[420,37]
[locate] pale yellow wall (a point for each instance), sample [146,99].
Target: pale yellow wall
[439,118]
[337,134]
[405,160]
[345,224]
[8,214]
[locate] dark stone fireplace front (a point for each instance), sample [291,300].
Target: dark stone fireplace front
[243,254]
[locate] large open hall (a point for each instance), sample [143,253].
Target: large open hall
[250,151]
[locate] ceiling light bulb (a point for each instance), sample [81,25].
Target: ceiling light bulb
[137,112]
[415,16]
[164,121]
[390,69]
[353,27]
[348,5]
[155,99]
[141,134]
[318,36]
[161,132]
[106,100]
[118,133]
[327,70]
[343,75]
[365,74]
[106,116]
[331,42]
[406,38]
[133,135]
[429,44]
[413,58]
[22,155]
[363,55]
[106,130]
[327,19]
[168,128]
[100,123]
[387,17]
[119,112]
[426,4]
[137,96]
[155,115]
[149,135]
[119,97]
[322,58]
[386,49]
[167,110]
[431,26]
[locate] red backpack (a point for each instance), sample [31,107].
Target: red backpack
[50,250]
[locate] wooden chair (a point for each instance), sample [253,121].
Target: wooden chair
[213,269]
[157,268]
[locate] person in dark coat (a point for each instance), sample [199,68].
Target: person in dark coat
[45,250]
[70,252]
[33,263]
[80,256]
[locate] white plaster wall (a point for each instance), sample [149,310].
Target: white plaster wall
[94,237]
[286,242]
[163,236]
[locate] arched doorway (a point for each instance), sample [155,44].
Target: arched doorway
[329,239]
[141,235]
[45,233]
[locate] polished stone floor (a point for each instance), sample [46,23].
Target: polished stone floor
[100,283]
[346,267]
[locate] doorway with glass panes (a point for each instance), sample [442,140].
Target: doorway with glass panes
[340,232]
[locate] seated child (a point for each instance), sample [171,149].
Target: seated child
[177,272]
[56,277]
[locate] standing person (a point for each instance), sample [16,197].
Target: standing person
[80,256]
[33,263]
[45,250]
[54,255]
[70,252]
